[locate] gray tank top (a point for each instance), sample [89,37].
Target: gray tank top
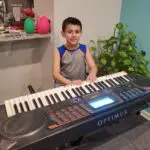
[72,64]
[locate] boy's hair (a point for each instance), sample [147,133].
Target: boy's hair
[72,21]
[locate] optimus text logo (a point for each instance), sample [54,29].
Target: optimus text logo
[112,117]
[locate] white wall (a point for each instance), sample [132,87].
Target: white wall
[98,17]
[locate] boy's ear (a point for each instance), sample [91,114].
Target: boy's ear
[62,33]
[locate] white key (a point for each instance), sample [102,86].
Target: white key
[70,91]
[40,95]
[12,106]
[8,108]
[53,92]
[22,101]
[36,100]
[59,94]
[83,86]
[30,100]
[17,104]
[48,93]
[115,81]
[126,78]
[97,89]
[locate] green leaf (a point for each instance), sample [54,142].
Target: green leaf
[131,69]
[122,54]
[119,25]
[93,49]
[125,41]
[113,63]
[127,62]
[103,61]
[92,41]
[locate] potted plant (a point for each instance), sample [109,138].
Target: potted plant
[119,53]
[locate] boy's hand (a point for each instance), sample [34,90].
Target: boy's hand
[76,82]
[91,77]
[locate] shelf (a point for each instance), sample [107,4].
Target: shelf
[21,36]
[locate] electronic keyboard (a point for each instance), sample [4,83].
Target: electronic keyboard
[53,117]
[58,95]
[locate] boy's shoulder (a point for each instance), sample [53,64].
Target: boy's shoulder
[62,49]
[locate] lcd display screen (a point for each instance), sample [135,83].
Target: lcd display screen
[100,102]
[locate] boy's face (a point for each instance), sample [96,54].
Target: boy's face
[72,34]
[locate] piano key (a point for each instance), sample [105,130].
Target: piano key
[60,94]
[34,96]
[52,97]
[30,102]
[92,87]
[49,92]
[21,107]
[86,86]
[43,100]
[17,104]
[81,88]
[12,106]
[21,99]
[125,78]
[79,92]
[97,89]
[57,98]
[115,82]
[27,106]
[76,93]
[96,84]
[108,85]
[8,108]
[46,93]
[64,95]
[15,108]
[71,92]
[111,83]
[67,92]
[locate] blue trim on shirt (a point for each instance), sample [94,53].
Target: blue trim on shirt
[62,49]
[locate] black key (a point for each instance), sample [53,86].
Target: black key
[52,97]
[21,106]
[79,91]
[69,94]
[96,84]
[57,97]
[92,87]
[74,91]
[40,101]
[123,79]
[112,82]
[63,94]
[16,109]
[88,89]
[81,88]
[101,85]
[35,104]
[109,82]
[106,86]
[48,100]
[116,79]
[27,106]
[128,77]
[120,80]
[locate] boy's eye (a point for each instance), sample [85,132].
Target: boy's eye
[77,31]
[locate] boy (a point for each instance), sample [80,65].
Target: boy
[70,59]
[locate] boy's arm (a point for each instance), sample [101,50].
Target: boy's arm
[56,69]
[93,69]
